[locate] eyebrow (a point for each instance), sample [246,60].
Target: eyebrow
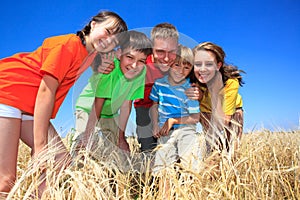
[108,31]
[164,50]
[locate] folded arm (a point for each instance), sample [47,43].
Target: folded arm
[191,119]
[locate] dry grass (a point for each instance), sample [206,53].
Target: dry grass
[265,167]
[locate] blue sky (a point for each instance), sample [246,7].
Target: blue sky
[262,37]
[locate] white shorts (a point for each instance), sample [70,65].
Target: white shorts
[12,112]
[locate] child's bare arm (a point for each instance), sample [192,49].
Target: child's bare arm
[154,118]
[99,102]
[123,119]
[93,118]
[44,105]
[191,119]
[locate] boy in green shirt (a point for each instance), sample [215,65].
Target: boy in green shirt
[107,98]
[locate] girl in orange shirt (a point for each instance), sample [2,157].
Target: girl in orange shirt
[33,86]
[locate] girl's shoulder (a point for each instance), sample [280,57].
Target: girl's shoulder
[61,40]
[232,83]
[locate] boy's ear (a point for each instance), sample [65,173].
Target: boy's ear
[119,53]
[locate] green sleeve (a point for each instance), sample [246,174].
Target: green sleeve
[105,82]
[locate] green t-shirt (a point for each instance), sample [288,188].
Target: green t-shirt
[114,87]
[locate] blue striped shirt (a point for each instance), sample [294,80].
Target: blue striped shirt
[172,101]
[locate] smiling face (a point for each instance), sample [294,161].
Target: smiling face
[164,52]
[205,66]
[179,71]
[132,63]
[101,38]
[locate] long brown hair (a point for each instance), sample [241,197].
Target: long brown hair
[227,71]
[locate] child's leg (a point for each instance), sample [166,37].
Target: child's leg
[10,127]
[110,131]
[56,145]
[238,116]
[144,129]
[62,157]
[81,119]
[164,191]
[237,125]
[165,153]
[54,140]
[210,139]
[27,134]
[165,157]
[9,144]
[189,150]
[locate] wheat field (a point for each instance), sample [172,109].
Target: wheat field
[266,166]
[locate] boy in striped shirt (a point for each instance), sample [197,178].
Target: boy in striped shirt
[175,116]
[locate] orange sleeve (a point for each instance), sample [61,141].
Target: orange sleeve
[62,58]
[57,60]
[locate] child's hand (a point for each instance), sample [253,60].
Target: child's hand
[156,132]
[164,131]
[123,144]
[194,92]
[84,138]
[107,64]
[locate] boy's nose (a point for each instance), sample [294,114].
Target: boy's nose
[181,70]
[166,58]
[133,65]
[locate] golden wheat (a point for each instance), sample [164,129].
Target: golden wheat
[266,166]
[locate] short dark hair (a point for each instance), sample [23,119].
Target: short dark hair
[137,41]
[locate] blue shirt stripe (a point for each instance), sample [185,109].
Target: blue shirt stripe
[172,101]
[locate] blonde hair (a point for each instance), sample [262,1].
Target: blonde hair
[163,31]
[185,55]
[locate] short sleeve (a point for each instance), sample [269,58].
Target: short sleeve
[230,96]
[193,106]
[58,61]
[154,93]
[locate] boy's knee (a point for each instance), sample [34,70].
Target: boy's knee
[6,182]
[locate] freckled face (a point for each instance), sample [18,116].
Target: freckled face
[205,66]
[101,37]
[132,63]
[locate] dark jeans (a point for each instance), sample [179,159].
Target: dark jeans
[144,129]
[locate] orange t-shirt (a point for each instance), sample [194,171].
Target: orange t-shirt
[20,75]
